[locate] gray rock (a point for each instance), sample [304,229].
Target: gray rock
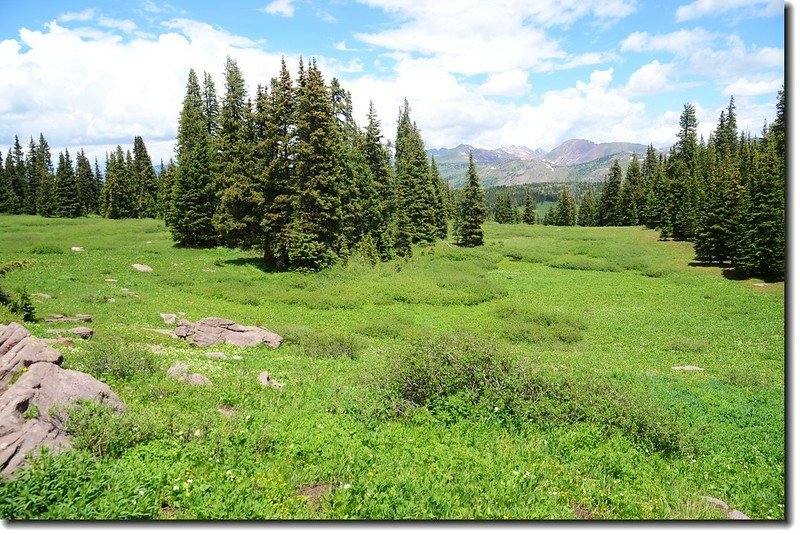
[82,332]
[735,514]
[142,268]
[64,341]
[169,319]
[20,350]
[180,371]
[61,318]
[716,502]
[76,249]
[688,368]
[209,331]
[33,409]
[266,380]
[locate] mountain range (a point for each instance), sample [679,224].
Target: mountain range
[574,160]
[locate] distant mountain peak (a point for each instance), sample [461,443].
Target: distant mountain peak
[577,151]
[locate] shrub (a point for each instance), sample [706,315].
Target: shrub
[331,345]
[118,361]
[458,377]
[104,432]
[43,248]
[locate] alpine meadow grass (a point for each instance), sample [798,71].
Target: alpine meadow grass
[530,378]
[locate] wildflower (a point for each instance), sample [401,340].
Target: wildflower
[176,487]
[197,432]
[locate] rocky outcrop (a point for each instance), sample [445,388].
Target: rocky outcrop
[36,392]
[210,331]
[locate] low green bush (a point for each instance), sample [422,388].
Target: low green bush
[113,360]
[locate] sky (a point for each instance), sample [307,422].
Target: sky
[93,74]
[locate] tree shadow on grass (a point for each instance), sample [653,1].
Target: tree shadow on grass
[730,272]
[255,262]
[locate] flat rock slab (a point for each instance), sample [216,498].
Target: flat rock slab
[41,296]
[82,332]
[76,249]
[32,409]
[688,368]
[266,380]
[61,318]
[169,319]
[144,268]
[210,331]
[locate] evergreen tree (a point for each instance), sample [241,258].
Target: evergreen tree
[67,198]
[378,160]
[15,171]
[588,214]
[84,178]
[194,199]
[116,199]
[145,181]
[413,179]
[631,196]
[680,215]
[610,196]
[504,208]
[402,233]
[718,217]
[655,197]
[211,103]
[529,215]
[166,184]
[97,185]
[565,209]
[472,210]
[240,210]
[762,246]
[439,210]
[6,200]
[31,177]
[315,233]
[686,147]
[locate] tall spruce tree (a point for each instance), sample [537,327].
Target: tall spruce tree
[588,213]
[145,180]
[116,198]
[631,196]
[504,208]
[412,177]
[472,210]
[610,196]
[6,201]
[565,211]
[315,233]
[67,198]
[240,211]
[15,170]
[194,199]
[31,177]
[439,209]
[166,183]
[529,214]
[86,184]
[378,160]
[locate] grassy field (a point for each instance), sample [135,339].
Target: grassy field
[530,379]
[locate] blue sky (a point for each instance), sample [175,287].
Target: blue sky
[508,72]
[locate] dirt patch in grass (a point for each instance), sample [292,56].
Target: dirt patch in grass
[314,493]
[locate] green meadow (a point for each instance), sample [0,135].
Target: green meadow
[531,378]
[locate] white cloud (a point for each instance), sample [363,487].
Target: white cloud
[86,14]
[744,87]
[649,79]
[680,42]
[477,37]
[507,84]
[284,8]
[702,8]
[127,26]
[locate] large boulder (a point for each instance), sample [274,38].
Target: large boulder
[209,331]
[36,392]
[19,350]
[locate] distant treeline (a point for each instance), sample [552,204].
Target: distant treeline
[292,174]
[727,194]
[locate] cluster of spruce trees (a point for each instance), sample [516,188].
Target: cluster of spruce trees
[291,173]
[506,211]
[727,195]
[30,185]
